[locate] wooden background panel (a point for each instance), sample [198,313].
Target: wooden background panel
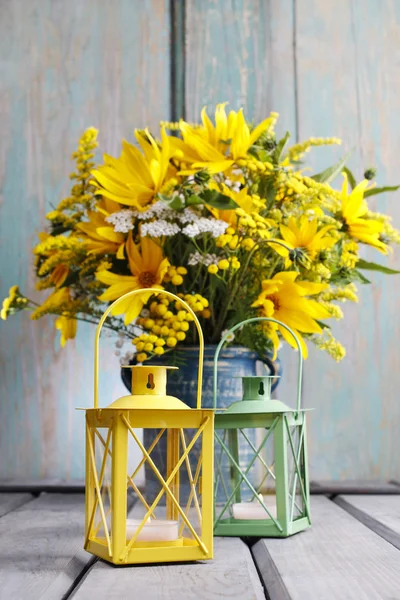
[241,52]
[329,69]
[65,66]
[348,56]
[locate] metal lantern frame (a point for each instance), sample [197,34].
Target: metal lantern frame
[273,417]
[120,423]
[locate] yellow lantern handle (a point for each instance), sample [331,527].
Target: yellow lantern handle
[134,293]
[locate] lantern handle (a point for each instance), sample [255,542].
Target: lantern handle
[254,320]
[150,291]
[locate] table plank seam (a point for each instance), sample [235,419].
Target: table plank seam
[15,505]
[80,578]
[373,524]
[271,579]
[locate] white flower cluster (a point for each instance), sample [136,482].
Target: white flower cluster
[188,215]
[204,225]
[159,228]
[233,185]
[158,209]
[125,360]
[122,220]
[202,259]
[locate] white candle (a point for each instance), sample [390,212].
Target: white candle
[154,530]
[254,510]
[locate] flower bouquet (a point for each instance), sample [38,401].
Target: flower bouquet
[222,214]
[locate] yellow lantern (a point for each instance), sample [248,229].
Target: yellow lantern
[167,528]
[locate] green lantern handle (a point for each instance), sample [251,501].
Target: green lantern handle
[254,320]
[134,293]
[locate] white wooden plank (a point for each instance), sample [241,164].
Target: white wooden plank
[379,513]
[41,548]
[337,558]
[37,486]
[354,486]
[231,574]
[9,502]
[348,86]
[66,66]
[241,52]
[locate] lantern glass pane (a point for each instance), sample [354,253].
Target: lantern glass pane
[103,453]
[172,463]
[242,442]
[246,472]
[295,467]
[252,449]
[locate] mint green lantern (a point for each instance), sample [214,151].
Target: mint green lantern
[260,458]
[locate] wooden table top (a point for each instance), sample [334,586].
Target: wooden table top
[352,551]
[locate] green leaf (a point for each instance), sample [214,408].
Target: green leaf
[370,266]
[345,276]
[218,200]
[266,190]
[381,190]
[351,178]
[361,277]
[280,148]
[193,199]
[174,202]
[322,324]
[331,172]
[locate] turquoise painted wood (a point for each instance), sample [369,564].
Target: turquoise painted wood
[241,51]
[329,68]
[348,85]
[65,66]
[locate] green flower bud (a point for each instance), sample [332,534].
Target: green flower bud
[370,173]
[201,177]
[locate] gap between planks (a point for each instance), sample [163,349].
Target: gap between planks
[231,574]
[11,501]
[338,557]
[381,514]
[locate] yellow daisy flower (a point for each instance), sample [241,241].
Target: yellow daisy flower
[304,234]
[8,302]
[148,268]
[99,236]
[242,199]
[67,327]
[135,178]
[284,299]
[217,147]
[353,209]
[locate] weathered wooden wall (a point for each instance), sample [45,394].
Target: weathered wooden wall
[329,68]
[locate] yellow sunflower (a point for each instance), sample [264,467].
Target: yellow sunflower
[284,299]
[217,147]
[354,207]
[99,236]
[304,234]
[8,302]
[148,268]
[242,199]
[135,178]
[67,327]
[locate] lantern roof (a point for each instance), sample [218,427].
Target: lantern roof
[257,398]
[149,390]
[258,407]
